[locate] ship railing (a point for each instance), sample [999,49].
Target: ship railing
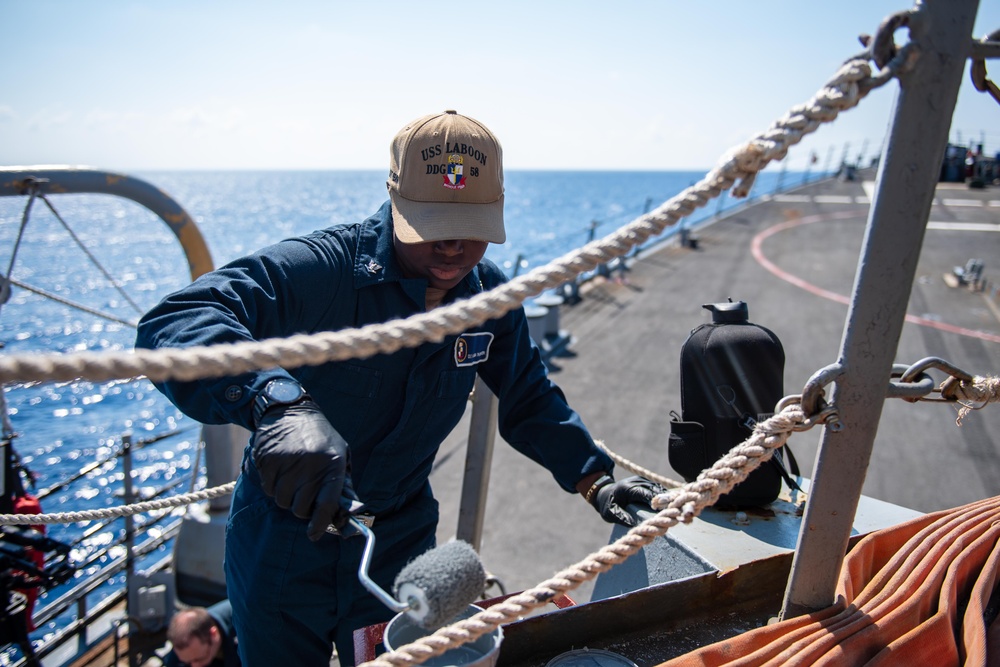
[42,494]
[106,612]
[37,182]
[683,232]
[92,622]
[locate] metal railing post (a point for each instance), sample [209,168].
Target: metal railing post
[907,176]
[128,497]
[81,614]
[517,265]
[721,201]
[478,459]
[861,154]
[829,160]
[843,158]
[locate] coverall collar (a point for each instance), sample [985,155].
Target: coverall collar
[376,259]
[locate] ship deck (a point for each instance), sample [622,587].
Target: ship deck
[621,372]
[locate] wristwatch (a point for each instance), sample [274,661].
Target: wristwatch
[277,392]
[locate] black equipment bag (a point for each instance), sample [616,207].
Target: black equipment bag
[732,376]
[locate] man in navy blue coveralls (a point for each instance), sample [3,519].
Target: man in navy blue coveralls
[367,428]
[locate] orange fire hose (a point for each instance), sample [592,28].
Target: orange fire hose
[914,594]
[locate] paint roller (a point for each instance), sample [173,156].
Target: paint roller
[436,586]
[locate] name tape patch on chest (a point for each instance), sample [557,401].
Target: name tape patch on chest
[472,348]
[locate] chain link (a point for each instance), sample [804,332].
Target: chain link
[883,47]
[977,72]
[882,50]
[911,383]
[947,389]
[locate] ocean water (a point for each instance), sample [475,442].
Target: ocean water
[62,427]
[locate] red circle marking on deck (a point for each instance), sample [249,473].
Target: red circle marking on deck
[758,254]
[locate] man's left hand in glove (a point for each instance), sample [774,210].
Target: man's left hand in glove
[610,497]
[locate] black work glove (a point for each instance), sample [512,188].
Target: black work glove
[611,499]
[304,465]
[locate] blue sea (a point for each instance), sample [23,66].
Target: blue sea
[62,427]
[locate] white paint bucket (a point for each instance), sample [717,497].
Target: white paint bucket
[483,652]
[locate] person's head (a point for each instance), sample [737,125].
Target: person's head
[195,637]
[446,189]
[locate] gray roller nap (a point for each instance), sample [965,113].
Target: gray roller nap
[441,583]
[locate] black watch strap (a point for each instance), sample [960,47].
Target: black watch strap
[280,391]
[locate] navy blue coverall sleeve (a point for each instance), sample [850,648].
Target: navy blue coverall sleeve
[275,292]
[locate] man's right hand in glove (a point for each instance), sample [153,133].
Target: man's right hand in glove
[304,464]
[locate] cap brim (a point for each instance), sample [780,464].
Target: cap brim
[421,222]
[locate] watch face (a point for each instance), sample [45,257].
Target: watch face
[283,391]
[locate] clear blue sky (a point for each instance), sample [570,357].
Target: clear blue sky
[324,84]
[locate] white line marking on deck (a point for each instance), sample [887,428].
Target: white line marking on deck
[964,226]
[833,199]
[793,198]
[962,202]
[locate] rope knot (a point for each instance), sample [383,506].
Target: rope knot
[974,395]
[751,157]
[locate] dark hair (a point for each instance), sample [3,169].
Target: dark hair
[189,624]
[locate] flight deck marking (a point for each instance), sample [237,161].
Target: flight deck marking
[758,254]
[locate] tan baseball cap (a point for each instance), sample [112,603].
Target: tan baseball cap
[446,181]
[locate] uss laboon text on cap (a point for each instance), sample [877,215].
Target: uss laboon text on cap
[446,181]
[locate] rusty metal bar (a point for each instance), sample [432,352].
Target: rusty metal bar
[18,181]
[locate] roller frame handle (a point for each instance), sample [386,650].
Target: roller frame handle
[355,527]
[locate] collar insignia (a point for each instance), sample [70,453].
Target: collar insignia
[373,267]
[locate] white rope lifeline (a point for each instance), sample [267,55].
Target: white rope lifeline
[848,86]
[116,512]
[637,469]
